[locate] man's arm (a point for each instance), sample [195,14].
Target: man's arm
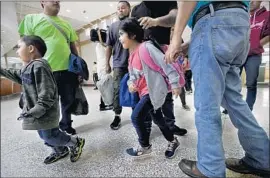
[185,10]
[74,49]
[265,40]
[110,42]
[167,20]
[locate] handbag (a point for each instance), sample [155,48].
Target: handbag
[76,64]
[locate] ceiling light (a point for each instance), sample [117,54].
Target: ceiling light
[86,17]
[68,10]
[111,4]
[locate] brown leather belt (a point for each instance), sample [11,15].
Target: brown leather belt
[217,6]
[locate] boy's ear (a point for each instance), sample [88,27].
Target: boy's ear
[31,48]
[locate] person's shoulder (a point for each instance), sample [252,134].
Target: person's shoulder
[33,16]
[41,64]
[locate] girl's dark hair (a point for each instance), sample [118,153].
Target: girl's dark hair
[37,42]
[132,27]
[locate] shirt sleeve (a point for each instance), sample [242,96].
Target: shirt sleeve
[46,89]
[266,27]
[12,74]
[73,34]
[110,41]
[168,69]
[172,5]
[133,12]
[26,26]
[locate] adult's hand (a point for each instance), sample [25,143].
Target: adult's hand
[108,69]
[174,51]
[147,22]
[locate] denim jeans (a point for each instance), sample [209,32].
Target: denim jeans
[141,120]
[219,46]
[54,138]
[168,111]
[252,67]
[67,83]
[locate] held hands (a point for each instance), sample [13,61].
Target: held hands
[108,69]
[175,50]
[132,88]
[147,22]
[176,92]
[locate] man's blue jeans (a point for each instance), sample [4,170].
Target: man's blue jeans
[252,67]
[219,46]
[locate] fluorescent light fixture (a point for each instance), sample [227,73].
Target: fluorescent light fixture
[68,10]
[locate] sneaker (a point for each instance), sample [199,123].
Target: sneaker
[76,151]
[53,157]
[186,107]
[70,131]
[115,125]
[139,151]
[179,131]
[224,111]
[172,147]
[106,108]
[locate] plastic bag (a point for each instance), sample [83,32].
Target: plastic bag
[105,86]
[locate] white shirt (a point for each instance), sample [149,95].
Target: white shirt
[101,59]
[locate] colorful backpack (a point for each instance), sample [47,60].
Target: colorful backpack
[145,56]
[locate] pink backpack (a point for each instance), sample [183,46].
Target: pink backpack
[150,63]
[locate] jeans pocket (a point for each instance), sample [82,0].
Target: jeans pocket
[230,42]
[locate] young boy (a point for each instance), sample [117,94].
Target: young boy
[40,100]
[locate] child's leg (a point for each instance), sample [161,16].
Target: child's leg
[56,138]
[183,97]
[139,118]
[168,111]
[160,122]
[167,133]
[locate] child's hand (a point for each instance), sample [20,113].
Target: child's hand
[176,92]
[132,88]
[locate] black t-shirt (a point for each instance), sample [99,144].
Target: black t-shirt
[155,9]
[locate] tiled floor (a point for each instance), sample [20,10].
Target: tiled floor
[22,152]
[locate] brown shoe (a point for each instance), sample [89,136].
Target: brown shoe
[239,166]
[190,168]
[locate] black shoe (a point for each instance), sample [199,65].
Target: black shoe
[239,166]
[76,151]
[115,125]
[225,111]
[179,131]
[53,157]
[172,148]
[106,108]
[186,107]
[70,131]
[190,168]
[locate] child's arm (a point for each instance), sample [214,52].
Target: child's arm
[46,89]
[169,70]
[12,74]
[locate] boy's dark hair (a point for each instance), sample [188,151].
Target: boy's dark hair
[132,27]
[128,4]
[37,42]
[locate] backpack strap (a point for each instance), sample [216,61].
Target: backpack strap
[147,59]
